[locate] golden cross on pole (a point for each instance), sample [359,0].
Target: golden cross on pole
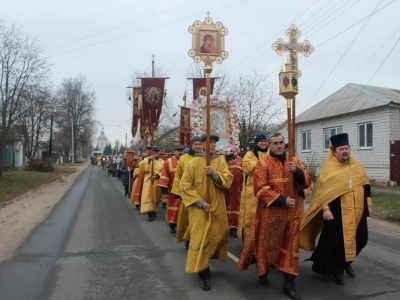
[293,47]
[208,13]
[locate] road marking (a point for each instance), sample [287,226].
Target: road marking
[233,257]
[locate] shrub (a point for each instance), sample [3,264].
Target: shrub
[312,163]
[80,160]
[40,165]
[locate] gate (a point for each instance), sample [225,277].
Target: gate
[395,161]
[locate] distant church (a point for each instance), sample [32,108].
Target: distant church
[102,140]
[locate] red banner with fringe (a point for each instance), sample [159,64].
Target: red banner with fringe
[152,102]
[184,132]
[137,109]
[199,87]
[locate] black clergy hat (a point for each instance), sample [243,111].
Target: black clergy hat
[213,137]
[149,147]
[155,149]
[339,140]
[179,147]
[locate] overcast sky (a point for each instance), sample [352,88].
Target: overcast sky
[108,41]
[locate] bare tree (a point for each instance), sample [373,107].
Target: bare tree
[34,116]
[21,61]
[75,101]
[257,104]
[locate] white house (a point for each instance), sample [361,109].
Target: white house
[371,117]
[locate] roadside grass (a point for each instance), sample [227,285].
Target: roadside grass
[15,183]
[386,206]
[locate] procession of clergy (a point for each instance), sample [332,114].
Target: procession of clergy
[249,199]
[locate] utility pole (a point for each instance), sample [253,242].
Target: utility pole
[51,137]
[152,67]
[72,140]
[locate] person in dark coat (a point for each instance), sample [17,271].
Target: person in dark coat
[125,178]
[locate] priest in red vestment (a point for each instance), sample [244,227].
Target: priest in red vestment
[232,195]
[165,183]
[268,242]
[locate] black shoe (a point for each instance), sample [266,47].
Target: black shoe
[186,245]
[338,279]
[155,215]
[263,280]
[205,285]
[172,230]
[151,217]
[349,270]
[291,293]
[233,232]
[137,207]
[164,205]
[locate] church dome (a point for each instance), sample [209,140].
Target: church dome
[102,137]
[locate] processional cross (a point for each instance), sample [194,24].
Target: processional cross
[288,88]
[293,46]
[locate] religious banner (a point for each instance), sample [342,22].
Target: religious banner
[184,132]
[152,101]
[199,87]
[137,108]
[129,158]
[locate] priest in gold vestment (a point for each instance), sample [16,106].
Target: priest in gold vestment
[267,243]
[338,211]
[151,168]
[248,202]
[208,221]
[182,234]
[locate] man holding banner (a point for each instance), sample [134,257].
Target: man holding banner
[151,168]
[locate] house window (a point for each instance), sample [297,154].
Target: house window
[328,132]
[365,135]
[306,141]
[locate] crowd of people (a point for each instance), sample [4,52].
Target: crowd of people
[250,198]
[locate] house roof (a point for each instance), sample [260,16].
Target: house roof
[351,98]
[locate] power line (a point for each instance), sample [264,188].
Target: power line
[331,38]
[309,64]
[333,18]
[317,12]
[270,39]
[345,52]
[355,24]
[147,29]
[376,72]
[366,34]
[270,55]
[122,25]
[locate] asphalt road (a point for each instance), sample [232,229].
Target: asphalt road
[95,245]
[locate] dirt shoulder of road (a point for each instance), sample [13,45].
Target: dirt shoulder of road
[21,215]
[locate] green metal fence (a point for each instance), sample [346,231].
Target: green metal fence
[8,155]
